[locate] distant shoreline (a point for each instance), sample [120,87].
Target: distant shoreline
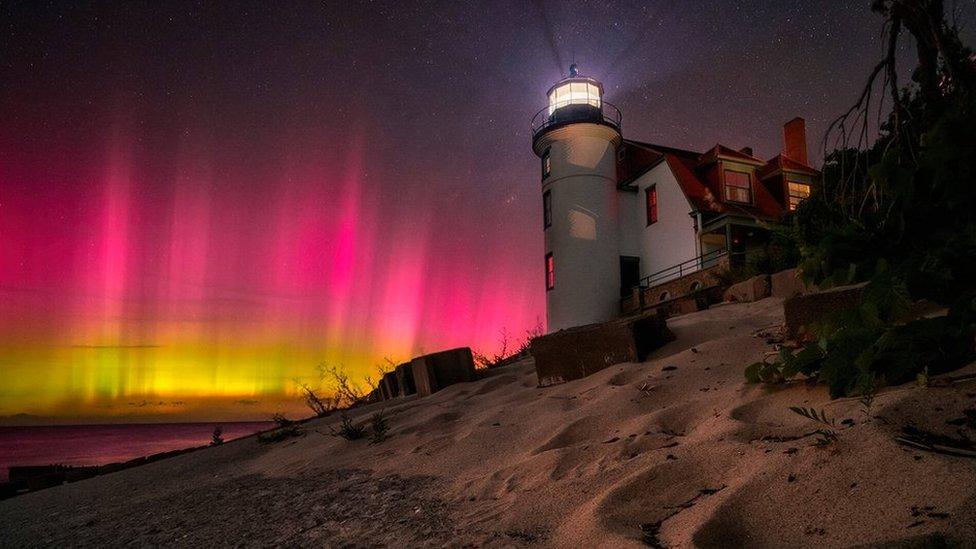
[92,448]
[220,422]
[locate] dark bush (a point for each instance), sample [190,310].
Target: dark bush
[379,427]
[898,215]
[347,429]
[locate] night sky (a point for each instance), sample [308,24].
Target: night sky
[199,203]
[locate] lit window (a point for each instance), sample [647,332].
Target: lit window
[651,204]
[546,164]
[738,187]
[798,193]
[550,272]
[546,209]
[574,93]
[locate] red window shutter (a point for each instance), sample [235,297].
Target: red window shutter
[651,195]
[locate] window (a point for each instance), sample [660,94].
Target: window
[574,93]
[546,209]
[798,192]
[546,164]
[738,187]
[651,203]
[664,296]
[550,272]
[695,286]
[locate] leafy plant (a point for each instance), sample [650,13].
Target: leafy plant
[785,366]
[812,414]
[379,427]
[347,429]
[827,435]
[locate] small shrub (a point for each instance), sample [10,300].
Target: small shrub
[282,421]
[347,429]
[922,378]
[867,389]
[826,436]
[505,354]
[786,365]
[280,433]
[320,406]
[379,427]
[217,438]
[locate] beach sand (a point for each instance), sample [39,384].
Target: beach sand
[677,451]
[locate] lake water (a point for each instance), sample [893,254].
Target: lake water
[102,444]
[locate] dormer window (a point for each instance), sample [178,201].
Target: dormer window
[738,187]
[798,193]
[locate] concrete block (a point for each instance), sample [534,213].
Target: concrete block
[803,310]
[389,386]
[787,284]
[376,395]
[578,352]
[754,289]
[404,375]
[433,372]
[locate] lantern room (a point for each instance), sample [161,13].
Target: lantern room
[575,99]
[575,90]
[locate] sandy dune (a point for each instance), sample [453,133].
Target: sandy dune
[675,451]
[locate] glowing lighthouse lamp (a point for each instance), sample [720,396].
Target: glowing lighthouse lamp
[576,136]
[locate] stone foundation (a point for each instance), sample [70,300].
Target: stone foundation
[754,289]
[787,284]
[578,352]
[433,372]
[389,386]
[801,311]
[404,376]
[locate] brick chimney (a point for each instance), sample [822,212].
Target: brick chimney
[795,140]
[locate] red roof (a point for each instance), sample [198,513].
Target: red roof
[699,180]
[697,192]
[786,164]
[723,151]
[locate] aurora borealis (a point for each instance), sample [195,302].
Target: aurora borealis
[200,202]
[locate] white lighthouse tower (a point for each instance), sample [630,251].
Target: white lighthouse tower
[576,136]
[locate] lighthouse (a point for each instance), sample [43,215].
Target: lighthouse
[576,137]
[633,227]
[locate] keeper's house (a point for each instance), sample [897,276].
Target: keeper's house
[623,218]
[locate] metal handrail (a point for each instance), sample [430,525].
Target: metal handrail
[666,275]
[685,267]
[543,120]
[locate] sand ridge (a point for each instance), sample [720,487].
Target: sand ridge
[676,451]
